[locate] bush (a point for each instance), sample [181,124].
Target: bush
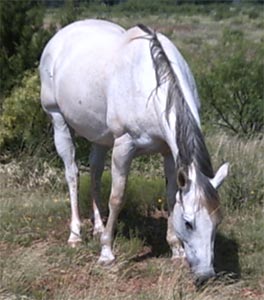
[69,13]
[25,127]
[231,84]
[22,38]
[23,124]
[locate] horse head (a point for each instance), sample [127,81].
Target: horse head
[196,216]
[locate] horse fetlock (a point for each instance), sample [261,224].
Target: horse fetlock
[75,235]
[106,240]
[75,227]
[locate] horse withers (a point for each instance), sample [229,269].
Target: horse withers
[131,90]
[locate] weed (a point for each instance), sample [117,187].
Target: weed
[244,186]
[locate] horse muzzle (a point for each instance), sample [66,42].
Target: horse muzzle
[204,276]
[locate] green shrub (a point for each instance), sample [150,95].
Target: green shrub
[231,84]
[22,38]
[143,195]
[23,124]
[69,13]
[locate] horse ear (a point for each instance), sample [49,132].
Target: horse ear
[182,179]
[220,176]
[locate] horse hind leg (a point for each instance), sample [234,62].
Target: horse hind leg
[97,161]
[66,150]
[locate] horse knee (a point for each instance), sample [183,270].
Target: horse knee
[115,204]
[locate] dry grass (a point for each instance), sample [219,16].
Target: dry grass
[246,156]
[36,273]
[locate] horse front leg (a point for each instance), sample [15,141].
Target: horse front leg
[97,162]
[122,155]
[170,173]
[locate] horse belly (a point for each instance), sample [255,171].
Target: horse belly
[90,126]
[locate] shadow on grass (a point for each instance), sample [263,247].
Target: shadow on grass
[226,256]
[152,230]
[152,227]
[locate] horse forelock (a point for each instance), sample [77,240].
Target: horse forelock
[189,138]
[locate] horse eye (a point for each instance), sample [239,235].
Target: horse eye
[188,226]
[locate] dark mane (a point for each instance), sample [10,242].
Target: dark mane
[189,137]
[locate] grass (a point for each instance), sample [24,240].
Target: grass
[187,26]
[245,183]
[36,263]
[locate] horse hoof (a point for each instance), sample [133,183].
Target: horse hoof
[75,243]
[106,261]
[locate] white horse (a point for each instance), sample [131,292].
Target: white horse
[132,91]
